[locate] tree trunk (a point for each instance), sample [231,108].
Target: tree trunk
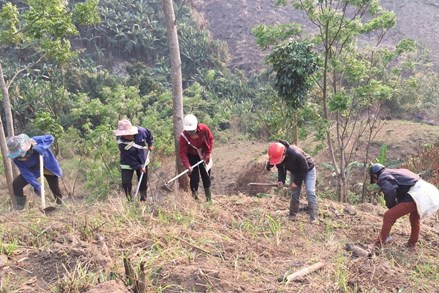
[177,86]
[7,164]
[9,174]
[7,105]
[296,128]
[8,113]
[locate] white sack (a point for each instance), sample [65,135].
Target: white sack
[426,197]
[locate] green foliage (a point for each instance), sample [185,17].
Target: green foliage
[382,157]
[8,248]
[47,124]
[43,25]
[9,24]
[84,12]
[269,35]
[294,63]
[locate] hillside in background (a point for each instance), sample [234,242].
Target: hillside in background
[240,243]
[97,242]
[233,20]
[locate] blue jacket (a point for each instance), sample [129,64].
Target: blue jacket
[132,156]
[30,168]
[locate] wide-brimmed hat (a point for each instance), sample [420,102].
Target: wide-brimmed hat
[124,127]
[19,145]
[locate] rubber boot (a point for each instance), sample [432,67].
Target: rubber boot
[313,212]
[294,209]
[21,202]
[58,200]
[143,196]
[208,193]
[195,194]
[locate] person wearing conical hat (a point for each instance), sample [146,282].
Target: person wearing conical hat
[133,142]
[25,152]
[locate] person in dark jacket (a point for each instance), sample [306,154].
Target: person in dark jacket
[395,184]
[25,152]
[133,142]
[302,170]
[196,143]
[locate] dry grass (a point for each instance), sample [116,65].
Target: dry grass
[236,244]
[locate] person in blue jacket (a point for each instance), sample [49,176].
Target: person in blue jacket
[133,141]
[25,152]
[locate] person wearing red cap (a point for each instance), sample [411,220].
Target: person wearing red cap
[302,170]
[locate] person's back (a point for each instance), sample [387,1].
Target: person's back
[395,184]
[26,152]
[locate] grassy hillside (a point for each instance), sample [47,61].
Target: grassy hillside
[239,243]
[236,244]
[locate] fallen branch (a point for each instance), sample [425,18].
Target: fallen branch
[303,272]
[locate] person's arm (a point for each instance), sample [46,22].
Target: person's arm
[149,139]
[208,137]
[44,142]
[389,189]
[183,152]
[281,173]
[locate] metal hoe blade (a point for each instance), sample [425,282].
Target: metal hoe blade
[166,187]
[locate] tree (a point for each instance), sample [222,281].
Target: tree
[356,77]
[177,86]
[294,62]
[42,28]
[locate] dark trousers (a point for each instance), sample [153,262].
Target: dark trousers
[19,183]
[196,172]
[127,177]
[390,217]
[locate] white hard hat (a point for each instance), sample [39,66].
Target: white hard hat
[190,122]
